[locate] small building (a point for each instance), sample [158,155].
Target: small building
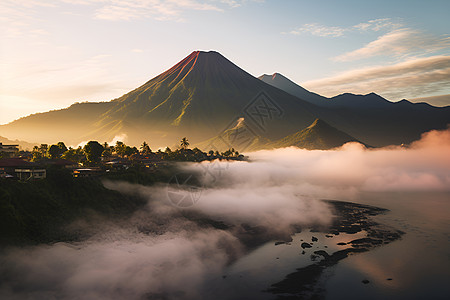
[87,172]
[29,174]
[21,169]
[118,164]
[9,150]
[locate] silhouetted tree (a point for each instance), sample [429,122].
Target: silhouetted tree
[145,149]
[120,148]
[54,151]
[62,146]
[93,151]
[43,149]
[184,143]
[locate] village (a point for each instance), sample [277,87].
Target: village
[95,159]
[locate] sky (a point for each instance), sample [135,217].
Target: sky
[54,53]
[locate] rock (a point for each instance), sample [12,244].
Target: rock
[389,279]
[328,235]
[305,245]
[279,243]
[342,244]
[322,253]
[314,257]
[303,252]
[365,281]
[314,239]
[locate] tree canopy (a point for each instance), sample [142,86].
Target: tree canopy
[93,151]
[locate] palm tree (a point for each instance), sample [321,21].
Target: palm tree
[184,143]
[145,149]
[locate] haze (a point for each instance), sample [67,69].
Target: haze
[54,53]
[158,253]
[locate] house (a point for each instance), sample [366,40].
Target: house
[29,174]
[8,150]
[87,172]
[21,169]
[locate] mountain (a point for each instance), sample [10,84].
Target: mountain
[22,144]
[204,96]
[198,98]
[370,118]
[344,100]
[240,137]
[319,135]
[285,84]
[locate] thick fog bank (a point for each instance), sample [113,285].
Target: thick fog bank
[161,252]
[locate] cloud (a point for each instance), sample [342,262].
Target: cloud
[17,15]
[404,41]
[162,252]
[335,31]
[319,30]
[377,24]
[407,79]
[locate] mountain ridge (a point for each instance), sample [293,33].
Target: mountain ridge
[204,93]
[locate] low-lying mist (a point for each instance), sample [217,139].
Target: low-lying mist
[165,251]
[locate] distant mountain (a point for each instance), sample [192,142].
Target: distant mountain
[344,100]
[442,100]
[239,137]
[204,95]
[370,117]
[371,100]
[22,144]
[319,135]
[196,98]
[285,84]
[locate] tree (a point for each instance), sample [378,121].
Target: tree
[93,151]
[36,153]
[54,151]
[120,148]
[62,146]
[43,149]
[184,143]
[145,149]
[130,151]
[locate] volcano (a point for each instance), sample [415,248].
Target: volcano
[197,98]
[203,97]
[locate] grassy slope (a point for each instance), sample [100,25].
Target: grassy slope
[319,135]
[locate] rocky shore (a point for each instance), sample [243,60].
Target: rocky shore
[350,218]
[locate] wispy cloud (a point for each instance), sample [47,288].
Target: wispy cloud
[17,13]
[319,30]
[160,10]
[410,78]
[336,31]
[377,24]
[398,42]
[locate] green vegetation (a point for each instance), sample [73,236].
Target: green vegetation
[37,211]
[319,135]
[93,151]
